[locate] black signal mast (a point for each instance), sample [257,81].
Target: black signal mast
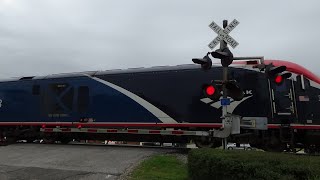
[229,88]
[231,123]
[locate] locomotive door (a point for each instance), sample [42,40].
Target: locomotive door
[308,101]
[283,101]
[58,101]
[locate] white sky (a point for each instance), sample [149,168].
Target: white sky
[39,37]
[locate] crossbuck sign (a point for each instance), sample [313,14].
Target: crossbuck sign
[223,34]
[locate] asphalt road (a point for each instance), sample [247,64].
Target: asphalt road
[69,162]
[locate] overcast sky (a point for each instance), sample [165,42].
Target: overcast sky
[39,37]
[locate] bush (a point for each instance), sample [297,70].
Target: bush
[218,164]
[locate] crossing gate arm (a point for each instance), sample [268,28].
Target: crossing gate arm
[231,125]
[125,131]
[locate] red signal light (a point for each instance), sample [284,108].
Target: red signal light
[210,90]
[278,79]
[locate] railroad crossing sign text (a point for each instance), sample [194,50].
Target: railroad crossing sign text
[223,34]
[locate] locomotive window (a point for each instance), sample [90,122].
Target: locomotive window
[299,81]
[306,83]
[36,90]
[83,99]
[303,82]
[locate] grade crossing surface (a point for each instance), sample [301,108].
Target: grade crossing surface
[70,162]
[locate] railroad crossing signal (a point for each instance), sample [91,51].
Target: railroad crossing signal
[225,55]
[223,34]
[205,62]
[277,73]
[213,90]
[229,88]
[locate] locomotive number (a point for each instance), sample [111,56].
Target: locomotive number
[0,103]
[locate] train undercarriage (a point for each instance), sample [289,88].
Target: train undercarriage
[275,140]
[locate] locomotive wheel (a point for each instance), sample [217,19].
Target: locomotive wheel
[204,142]
[47,141]
[9,140]
[312,149]
[65,140]
[275,147]
[30,140]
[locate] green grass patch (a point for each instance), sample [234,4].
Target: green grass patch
[218,164]
[160,167]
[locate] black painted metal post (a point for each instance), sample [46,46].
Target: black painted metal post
[223,45]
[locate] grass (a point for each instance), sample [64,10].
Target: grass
[165,167]
[218,164]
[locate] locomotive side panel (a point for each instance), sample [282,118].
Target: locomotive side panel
[308,101]
[179,93]
[18,102]
[86,99]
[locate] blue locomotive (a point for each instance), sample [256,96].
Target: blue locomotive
[163,104]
